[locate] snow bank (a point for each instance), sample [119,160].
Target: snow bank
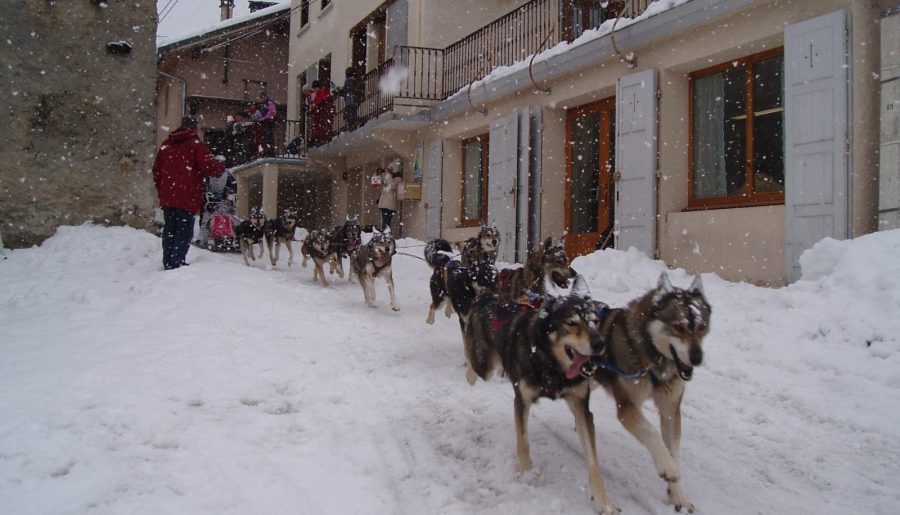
[221,388]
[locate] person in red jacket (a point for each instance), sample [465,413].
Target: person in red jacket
[181,164]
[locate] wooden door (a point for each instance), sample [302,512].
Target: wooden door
[589,160]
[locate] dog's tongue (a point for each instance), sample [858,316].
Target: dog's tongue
[578,360]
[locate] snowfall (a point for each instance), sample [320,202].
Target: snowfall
[220,388]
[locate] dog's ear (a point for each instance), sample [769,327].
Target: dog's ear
[697,285]
[663,286]
[547,304]
[580,287]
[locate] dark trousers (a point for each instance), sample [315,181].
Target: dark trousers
[386,216]
[268,137]
[176,236]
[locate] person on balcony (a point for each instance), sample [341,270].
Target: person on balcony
[321,113]
[352,92]
[269,109]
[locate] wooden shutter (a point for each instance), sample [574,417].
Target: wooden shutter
[433,172]
[816,135]
[636,155]
[502,176]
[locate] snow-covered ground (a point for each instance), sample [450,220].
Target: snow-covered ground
[219,388]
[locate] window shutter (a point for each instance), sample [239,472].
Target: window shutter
[502,175]
[636,148]
[433,172]
[816,135]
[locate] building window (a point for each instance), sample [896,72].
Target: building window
[252,88]
[474,180]
[737,132]
[325,3]
[304,13]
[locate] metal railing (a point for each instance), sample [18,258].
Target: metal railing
[432,74]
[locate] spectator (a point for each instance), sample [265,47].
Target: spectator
[387,202]
[352,93]
[267,124]
[321,113]
[181,164]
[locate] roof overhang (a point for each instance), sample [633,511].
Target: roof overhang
[272,15]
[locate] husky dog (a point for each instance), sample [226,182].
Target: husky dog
[543,352]
[281,230]
[482,247]
[251,231]
[373,260]
[658,337]
[317,245]
[345,240]
[549,262]
[453,285]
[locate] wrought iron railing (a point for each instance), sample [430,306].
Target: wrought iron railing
[432,74]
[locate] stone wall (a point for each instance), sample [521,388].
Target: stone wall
[78,139]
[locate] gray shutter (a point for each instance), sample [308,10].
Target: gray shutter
[502,174]
[433,171]
[816,70]
[524,169]
[533,187]
[636,148]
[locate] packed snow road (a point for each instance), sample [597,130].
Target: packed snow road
[220,388]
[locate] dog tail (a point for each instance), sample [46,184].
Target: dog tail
[438,253]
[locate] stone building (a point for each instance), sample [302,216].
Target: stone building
[79,135]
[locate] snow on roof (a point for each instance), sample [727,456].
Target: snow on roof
[657,7]
[179,27]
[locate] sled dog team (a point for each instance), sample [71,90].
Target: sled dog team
[321,246]
[561,347]
[548,345]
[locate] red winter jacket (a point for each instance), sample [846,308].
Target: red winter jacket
[181,163]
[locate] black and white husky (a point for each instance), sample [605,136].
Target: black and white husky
[373,260]
[251,231]
[280,231]
[317,246]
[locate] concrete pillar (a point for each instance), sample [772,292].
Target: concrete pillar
[270,190]
[243,198]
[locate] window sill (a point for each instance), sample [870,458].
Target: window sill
[327,9]
[731,205]
[303,30]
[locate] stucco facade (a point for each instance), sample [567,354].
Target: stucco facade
[746,243]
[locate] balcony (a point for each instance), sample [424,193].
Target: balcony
[430,75]
[248,145]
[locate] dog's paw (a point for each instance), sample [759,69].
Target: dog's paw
[395,308]
[669,475]
[605,507]
[677,499]
[471,376]
[430,319]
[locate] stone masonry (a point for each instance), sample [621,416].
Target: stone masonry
[78,140]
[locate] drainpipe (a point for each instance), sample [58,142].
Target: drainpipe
[183,88]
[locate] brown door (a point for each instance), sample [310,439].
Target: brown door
[590,135]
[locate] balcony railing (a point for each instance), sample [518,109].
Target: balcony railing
[432,74]
[249,143]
